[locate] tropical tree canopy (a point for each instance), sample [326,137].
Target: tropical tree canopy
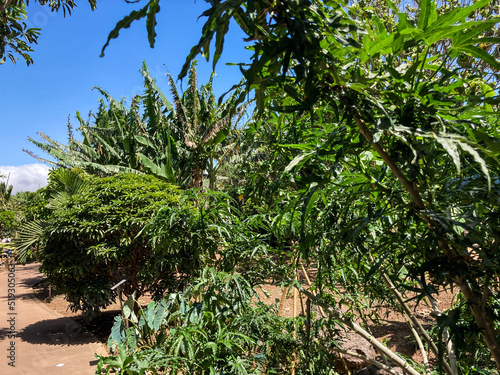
[174,142]
[395,118]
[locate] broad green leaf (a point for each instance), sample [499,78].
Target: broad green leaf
[160,314]
[128,308]
[425,12]
[117,332]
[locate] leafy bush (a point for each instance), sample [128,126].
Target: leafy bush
[7,220]
[33,205]
[216,326]
[98,235]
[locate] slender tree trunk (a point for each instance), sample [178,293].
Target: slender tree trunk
[476,301]
[483,320]
[197,178]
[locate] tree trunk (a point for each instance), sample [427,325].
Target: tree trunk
[483,320]
[5,4]
[197,177]
[478,308]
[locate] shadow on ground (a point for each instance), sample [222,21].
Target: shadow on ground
[101,325]
[61,331]
[32,281]
[391,330]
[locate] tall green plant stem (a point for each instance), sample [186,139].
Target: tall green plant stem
[483,320]
[363,333]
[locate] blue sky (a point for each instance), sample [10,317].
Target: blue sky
[39,98]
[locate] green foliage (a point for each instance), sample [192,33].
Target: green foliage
[33,204]
[203,126]
[374,157]
[97,235]
[217,325]
[31,212]
[15,36]
[149,11]
[7,221]
[13,31]
[378,137]
[473,354]
[5,192]
[8,216]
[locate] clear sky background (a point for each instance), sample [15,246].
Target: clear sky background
[39,98]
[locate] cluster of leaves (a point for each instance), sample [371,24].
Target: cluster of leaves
[176,143]
[7,222]
[16,38]
[7,217]
[389,151]
[97,234]
[217,325]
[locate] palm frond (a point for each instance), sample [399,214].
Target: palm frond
[29,236]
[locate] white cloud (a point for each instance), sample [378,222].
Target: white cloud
[29,177]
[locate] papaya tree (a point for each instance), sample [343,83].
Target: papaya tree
[399,125]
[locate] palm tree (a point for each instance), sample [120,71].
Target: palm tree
[31,236]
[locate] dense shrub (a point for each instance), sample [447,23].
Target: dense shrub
[216,326]
[99,235]
[7,220]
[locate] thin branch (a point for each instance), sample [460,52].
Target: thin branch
[4,5]
[413,323]
[446,335]
[363,333]
[425,359]
[367,359]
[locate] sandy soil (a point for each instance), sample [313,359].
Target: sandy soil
[392,329]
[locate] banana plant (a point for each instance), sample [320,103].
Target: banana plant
[120,139]
[201,127]
[172,142]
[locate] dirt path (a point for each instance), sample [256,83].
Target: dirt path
[391,329]
[35,339]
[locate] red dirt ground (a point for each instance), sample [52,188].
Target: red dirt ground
[392,330]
